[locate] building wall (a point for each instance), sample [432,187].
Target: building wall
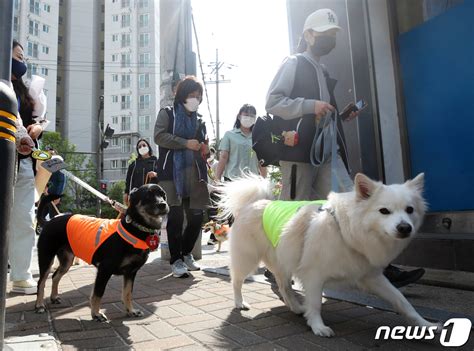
[36,29]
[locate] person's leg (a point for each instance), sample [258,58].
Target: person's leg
[174,228]
[21,228]
[191,233]
[302,174]
[212,214]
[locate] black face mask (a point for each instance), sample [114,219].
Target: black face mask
[323,45]
[18,68]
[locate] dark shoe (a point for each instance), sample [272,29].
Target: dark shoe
[269,275]
[400,278]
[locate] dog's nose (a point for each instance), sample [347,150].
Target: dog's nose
[404,228]
[162,206]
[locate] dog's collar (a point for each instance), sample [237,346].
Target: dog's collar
[144,229]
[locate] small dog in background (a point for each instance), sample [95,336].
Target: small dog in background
[220,231]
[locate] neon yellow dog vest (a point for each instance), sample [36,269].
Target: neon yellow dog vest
[278,213]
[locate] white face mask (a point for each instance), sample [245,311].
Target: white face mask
[191,104]
[247,121]
[143,150]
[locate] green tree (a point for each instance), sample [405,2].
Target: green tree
[76,198]
[115,193]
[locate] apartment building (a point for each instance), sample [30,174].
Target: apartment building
[35,26]
[131,79]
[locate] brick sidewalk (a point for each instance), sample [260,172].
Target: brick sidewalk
[193,314]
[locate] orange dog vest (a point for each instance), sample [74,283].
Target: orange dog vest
[87,234]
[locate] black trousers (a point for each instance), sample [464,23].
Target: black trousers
[181,242]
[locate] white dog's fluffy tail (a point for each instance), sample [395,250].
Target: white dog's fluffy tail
[242,192]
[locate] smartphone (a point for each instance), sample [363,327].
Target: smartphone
[351,107]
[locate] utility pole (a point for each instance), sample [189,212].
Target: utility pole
[8,111]
[216,66]
[100,154]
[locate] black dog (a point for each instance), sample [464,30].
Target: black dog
[121,247]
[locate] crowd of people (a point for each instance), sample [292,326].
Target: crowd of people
[301,97]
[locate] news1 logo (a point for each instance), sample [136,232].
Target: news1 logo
[455,332]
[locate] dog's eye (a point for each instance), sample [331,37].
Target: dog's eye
[384,211]
[409,210]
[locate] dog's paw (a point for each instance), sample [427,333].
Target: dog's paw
[135,313]
[322,330]
[56,300]
[100,317]
[40,309]
[242,306]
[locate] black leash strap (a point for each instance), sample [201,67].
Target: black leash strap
[293,182]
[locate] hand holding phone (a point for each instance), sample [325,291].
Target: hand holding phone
[351,107]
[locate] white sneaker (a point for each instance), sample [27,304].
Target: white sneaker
[179,269]
[27,287]
[189,261]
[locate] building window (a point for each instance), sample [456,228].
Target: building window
[114,142]
[114,77]
[142,4]
[125,61]
[143,123]
[32,49]
[114,119]
[126,145]
[143,20]
[144,101]
[114,98]
[115,18]
[125,3]
[35,7]
[45,50]
[144,59]
[45,28]
[124,166]
[60,20]
[15,24]
[125,81]
[126,20]
[114,37]
[114,57]
[47,8]
[17,5]
[125,40]
[144,80]
[114,164]
[31,69]
[33,28]
[144,40]
[125,125]
[125,102]
[44,71]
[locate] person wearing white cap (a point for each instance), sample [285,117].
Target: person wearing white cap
[302,96]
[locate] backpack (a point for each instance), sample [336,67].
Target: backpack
[267,140]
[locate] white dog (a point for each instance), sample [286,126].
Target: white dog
[349,240]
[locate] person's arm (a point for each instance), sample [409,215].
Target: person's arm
[223,159]
[128,179]
[162,137]
[279,102]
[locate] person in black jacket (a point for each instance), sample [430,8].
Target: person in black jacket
[141,171]
[183,149]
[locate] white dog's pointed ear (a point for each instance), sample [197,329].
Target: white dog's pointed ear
[418,182]
[364,186]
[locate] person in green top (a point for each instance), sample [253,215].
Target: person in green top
[236,155]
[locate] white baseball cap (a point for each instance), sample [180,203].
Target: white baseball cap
[321,21]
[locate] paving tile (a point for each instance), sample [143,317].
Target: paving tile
[281,331]
[162,330]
